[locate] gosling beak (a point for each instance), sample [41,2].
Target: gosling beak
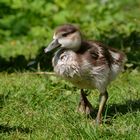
[54,44]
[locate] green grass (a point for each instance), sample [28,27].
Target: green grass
[40,107]
[44,107]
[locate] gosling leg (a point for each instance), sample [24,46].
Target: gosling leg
[103,99]
[84,105]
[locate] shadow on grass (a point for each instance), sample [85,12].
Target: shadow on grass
[11,64]
[129,106]
[20,63]
[111,111]
[3,99]
[9,129]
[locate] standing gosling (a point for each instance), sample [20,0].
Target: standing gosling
[86,64]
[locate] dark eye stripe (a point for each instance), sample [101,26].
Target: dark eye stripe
[67,33]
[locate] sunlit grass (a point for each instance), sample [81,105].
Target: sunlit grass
[44,107]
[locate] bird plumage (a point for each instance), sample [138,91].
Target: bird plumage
[92,66]
[87,64]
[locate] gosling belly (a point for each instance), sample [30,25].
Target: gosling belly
[90,78]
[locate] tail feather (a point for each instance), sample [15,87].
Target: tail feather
[119,59]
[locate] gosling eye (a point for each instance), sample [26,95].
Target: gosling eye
[65,34]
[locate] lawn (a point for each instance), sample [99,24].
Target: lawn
[41,107]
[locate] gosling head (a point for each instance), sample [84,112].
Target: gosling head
[66,36]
